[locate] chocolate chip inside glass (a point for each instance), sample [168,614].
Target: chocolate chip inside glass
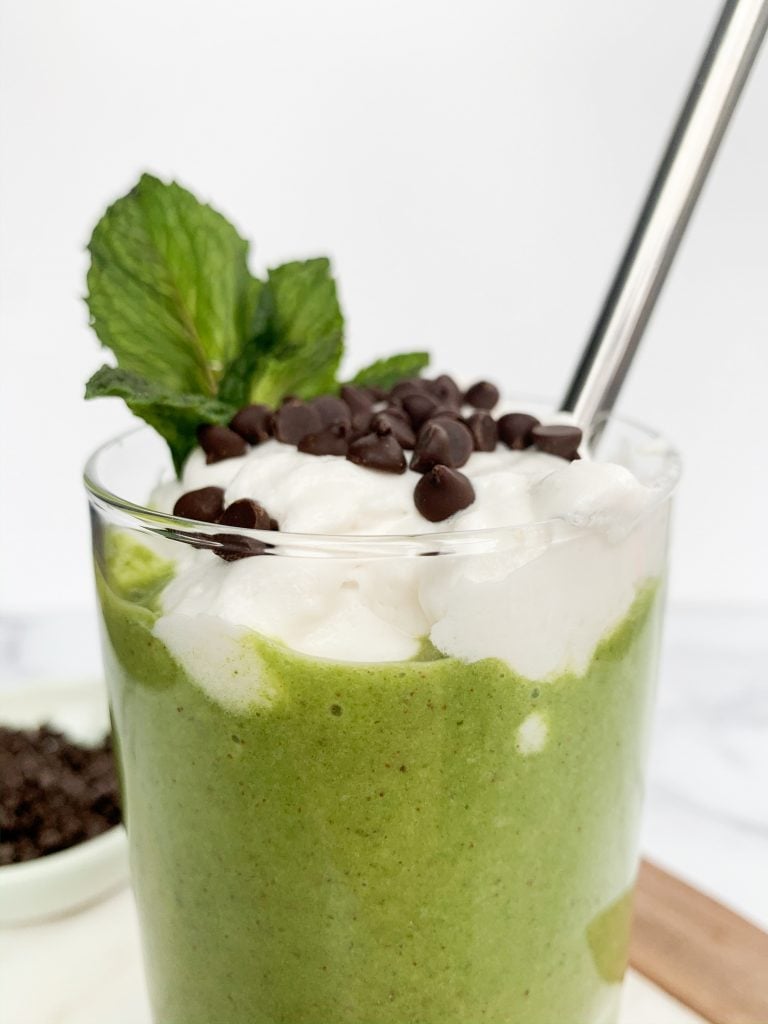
[361,784]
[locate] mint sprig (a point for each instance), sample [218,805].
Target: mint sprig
[175,415]
[385,373]
[195,335]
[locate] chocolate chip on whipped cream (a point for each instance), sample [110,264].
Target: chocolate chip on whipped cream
[220,443]
[206,504]
[482,395]
[442,492]
[485,433]
[515,430]
[378,451]
[295,420]
[557,439]
[445,389]
[360,404]
[253,424]
[332,440]
[394,421]
[420,407]
[247,514]
[442,441]
[332,411]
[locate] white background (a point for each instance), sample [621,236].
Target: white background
[472,168]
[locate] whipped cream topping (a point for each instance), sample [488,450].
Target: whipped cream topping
[541,602]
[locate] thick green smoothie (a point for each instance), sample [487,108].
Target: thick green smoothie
[383,843]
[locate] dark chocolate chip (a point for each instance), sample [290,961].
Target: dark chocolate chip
[441,492]
[482,395]
[515,430]
[377,394]
[448,412]
[333,440]
[233,547]
[558,439]
[446,390]
[420,407]
[295,420]
[246,513]
[360,405]
[485,433]
[205,504]
[220,443]
[410,386]
[444,442]
[394,421]
[253,423]
[378,451]
[332,411]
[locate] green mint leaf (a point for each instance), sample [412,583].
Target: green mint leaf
[300,351]
[174,415]
[385,373]
[236,382]
[169,289]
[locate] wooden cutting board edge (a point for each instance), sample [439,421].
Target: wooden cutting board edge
[700,952]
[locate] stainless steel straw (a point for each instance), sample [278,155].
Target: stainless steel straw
[667,209]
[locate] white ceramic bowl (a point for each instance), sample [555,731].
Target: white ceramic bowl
[61,882]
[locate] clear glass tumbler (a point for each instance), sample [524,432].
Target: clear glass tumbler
[449,837]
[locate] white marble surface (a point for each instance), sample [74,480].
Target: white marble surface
[92,971]
[706,815]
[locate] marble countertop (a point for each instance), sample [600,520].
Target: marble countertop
[706,815]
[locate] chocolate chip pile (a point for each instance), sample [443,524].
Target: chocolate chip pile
[375,428]
[55,793]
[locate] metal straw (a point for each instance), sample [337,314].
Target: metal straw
[667,209]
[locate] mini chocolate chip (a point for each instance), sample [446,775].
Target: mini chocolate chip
[234,547]
[448,412]
[394,421]
[205,504]
[220,443]
[253,423]
[333,440]
[441,492]
[445,389]
[410,386]
[377,394]
[445,442]
[397,412]
[294,421]
[515,429]
[378,451]
[248,514]
[332,411]
[360,405]
[482,395]
[558,439]
[485,433]
[419,407]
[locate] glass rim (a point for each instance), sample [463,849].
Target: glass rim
[349,545]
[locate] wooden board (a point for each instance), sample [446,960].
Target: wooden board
[703,954]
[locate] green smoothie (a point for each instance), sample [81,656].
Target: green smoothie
[423,842]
